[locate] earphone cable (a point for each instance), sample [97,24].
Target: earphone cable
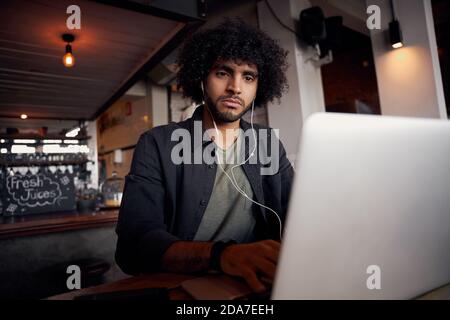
[233,180]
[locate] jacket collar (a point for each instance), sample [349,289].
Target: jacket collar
[252,171]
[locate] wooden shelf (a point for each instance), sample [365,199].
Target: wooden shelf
[18,226]
[42,163]
[39,137]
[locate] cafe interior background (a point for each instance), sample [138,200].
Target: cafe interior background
[73,103]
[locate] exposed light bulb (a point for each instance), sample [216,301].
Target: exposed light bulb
[68,60]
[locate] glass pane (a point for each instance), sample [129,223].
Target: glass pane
[349,82]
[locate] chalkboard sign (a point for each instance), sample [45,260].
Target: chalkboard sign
[37,193]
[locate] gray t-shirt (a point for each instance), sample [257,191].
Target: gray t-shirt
[229,213]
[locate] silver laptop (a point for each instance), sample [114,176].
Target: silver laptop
[369,216]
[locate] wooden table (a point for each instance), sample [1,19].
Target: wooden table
[162,280]
[173,282]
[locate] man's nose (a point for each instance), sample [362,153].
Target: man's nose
[234,85]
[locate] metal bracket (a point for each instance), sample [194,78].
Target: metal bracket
[315,57]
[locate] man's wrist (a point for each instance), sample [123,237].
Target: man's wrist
[216,253]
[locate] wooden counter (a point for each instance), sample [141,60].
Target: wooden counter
[55,222]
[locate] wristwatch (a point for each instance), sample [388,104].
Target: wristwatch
[216,252]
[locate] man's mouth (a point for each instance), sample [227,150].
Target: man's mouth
[232,103]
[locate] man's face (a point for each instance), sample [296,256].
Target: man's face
[230,89]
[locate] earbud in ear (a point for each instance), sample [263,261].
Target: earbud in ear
[203,92]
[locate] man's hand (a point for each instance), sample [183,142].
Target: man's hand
[250,261]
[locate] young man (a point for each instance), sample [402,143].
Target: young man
[226,215]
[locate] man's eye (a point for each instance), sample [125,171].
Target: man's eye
[221,73]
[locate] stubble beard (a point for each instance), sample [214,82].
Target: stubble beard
[224,117]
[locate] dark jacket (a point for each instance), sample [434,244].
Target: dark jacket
[164,202]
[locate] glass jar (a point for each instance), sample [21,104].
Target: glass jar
[112,190]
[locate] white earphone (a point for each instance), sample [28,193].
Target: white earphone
[233,178]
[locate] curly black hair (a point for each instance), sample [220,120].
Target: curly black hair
[233,40]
